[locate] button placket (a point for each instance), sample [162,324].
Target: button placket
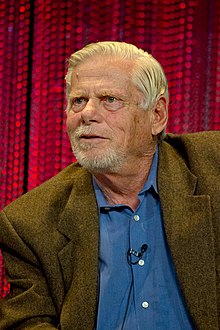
[145,304]
[136,217]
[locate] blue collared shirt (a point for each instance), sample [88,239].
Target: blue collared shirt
[145,295]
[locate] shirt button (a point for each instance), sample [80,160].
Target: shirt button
[141,262]
[136,217]
[145,304]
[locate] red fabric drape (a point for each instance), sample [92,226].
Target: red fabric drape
[36,38]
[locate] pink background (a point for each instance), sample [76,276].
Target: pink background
[36,39]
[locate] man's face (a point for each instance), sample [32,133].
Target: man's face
[107,128]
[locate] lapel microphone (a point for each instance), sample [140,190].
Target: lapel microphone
[138,255]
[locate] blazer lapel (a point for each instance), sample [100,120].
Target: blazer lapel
[79,258]
[188,226]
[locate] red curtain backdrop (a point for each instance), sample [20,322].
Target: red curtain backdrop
[38,36]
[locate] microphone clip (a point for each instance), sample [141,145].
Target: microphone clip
[137,254]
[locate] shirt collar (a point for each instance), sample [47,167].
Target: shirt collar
[152,177]
[151,182]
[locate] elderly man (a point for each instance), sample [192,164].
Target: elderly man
[128,237]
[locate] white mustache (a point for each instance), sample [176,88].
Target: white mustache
[82,131]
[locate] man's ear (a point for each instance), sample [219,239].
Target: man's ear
[159,116]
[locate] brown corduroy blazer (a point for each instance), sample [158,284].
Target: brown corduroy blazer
[50,240]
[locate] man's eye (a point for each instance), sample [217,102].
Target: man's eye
[78,100]
[112,103]
[110,99]
[78,103]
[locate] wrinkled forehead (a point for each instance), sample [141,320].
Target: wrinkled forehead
[103,68]
[96,81]
[104,77]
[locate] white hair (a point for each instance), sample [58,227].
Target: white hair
[147,75]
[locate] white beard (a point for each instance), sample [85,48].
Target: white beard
[99,161]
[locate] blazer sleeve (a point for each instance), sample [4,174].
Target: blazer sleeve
[29,304]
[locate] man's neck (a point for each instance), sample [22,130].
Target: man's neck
[123,187]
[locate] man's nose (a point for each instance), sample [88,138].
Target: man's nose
[91,112]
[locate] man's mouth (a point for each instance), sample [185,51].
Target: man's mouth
[91,137]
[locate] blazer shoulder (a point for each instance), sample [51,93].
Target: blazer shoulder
[196,145]
[208,137]
[200,152]
[50,197]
